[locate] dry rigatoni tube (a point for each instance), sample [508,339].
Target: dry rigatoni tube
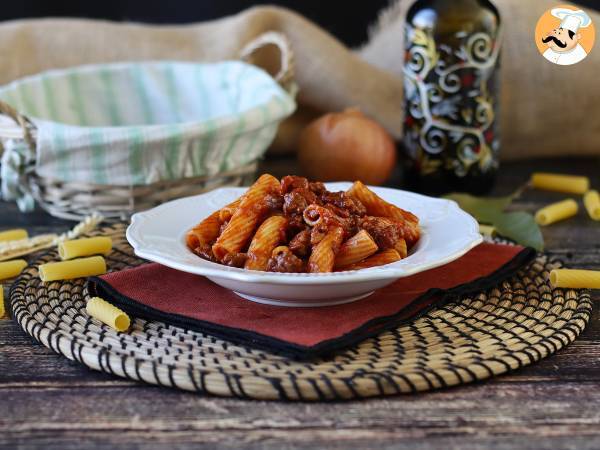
[75,268]
[109,314]
[11,269]
[13,235]
[77,248]
[576,279]
[556,212]
[569,184]
[591,200]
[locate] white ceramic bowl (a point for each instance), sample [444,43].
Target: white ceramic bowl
[159,235]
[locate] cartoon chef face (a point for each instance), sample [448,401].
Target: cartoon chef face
[561,39]
[563,42]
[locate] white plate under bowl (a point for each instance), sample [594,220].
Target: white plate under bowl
[447,233]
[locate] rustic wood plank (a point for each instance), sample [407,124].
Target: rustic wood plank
[11,217]
[337,439]
[552,410]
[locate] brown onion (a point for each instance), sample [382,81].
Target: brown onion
[346,146]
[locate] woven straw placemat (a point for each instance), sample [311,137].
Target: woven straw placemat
[512,325]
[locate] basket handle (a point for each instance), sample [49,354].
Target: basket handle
[25,125]
[285,75]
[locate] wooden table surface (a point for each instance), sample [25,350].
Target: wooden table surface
[48,401]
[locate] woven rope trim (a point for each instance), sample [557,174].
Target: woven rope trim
[513,325]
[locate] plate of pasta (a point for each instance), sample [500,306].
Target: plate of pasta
[295,242]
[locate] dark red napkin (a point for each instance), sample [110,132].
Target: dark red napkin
[156,292]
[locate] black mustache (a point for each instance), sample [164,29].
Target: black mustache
[556,41]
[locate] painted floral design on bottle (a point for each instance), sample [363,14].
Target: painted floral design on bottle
[450,103]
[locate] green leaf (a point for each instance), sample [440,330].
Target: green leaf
[520,227]
[484,209]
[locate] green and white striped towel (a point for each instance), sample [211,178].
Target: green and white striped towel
[138,123]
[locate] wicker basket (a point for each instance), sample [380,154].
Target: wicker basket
[74,200]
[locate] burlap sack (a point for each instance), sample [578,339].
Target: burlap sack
[546,109]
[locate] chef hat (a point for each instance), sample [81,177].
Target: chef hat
[572,20]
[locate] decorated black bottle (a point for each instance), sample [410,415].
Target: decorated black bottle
[451,95]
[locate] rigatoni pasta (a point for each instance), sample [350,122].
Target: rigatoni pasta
[355,249]
[268,235]
[378,259]
[295,225]
[591,200]
[101,245]
[243,222]
[11,269]
[107,313]
[13,235]
[376,206]
[569,184]
[323,254]
[75,268]
[556,212]
[402,248]
[575,279]
[205,232]
[227,212]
